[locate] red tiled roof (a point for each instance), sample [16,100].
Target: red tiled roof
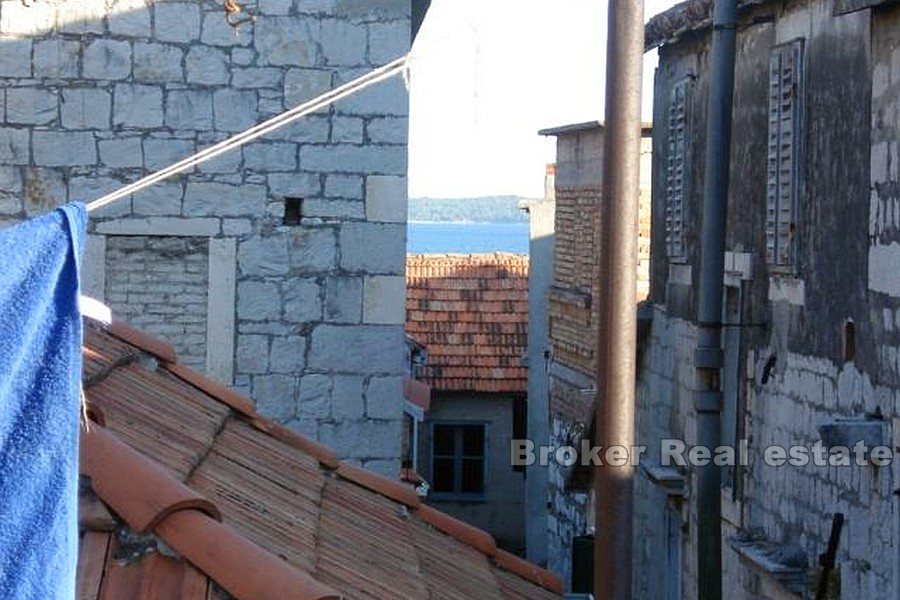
[192,495]
[470,311]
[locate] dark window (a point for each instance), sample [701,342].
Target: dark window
[293,211]
[849,340]
[458,455]
[783,181]
[677,167]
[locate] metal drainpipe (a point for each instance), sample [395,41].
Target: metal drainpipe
[708,358]
[616,348]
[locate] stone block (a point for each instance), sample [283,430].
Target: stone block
[242,56]
[252,354]
[160,199]
[384,300]
[81,17]
[310,130]
[388,130]
[15,57]
[384,398]
[258,257]
[285,41]
[86,108]
[343,299]
[206,65]
[382,10]
[314,397]
[363,439]
[388,98]
[347,129]
[31,106]
[63,148]
[107,59]
[44,189]
[302,300]
[52,58]
[346,158]
[162,152]
[343,42]
[121,153]
[229,162]
[160,226]
[89,188]
[177,21]
[32,19]
[13,146]
[373,247]
[344,186]
[313,250]
[388,40]
[157,63]
[295,185]
[288,354]
[386,199]
[129,18]
[235,110]
[137,106]
[189,109]
[335,208]
[357,348]
[217,32]
[219,199]
[275,396]
[258,301]
[256,77]
[275,7]
[302,85]
[347,402]
[268,157]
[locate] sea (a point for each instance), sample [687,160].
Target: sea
[431,237]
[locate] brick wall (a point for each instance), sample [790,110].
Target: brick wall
[97,94]
[160,285]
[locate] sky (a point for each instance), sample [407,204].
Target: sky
[487,75]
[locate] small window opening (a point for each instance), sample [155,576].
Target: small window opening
[293,211]
[849,340]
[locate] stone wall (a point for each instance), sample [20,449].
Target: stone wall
[797,366]
[306,318]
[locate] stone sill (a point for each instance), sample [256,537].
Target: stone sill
[768,558]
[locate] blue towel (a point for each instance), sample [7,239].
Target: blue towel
[40,383]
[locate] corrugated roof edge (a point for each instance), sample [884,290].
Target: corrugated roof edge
[389,488]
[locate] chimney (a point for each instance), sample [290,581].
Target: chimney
[550,182]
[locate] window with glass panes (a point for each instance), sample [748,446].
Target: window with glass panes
[458,459]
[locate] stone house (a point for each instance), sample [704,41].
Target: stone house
[569,365]
[276,268]
[811,297]
[470,313]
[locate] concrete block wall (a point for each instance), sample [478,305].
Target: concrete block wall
[305,318]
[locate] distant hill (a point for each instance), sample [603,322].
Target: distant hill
[489,209]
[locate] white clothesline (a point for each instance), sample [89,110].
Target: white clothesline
[400,65]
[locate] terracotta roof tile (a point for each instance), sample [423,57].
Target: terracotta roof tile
[296,522]
[470,311]
[146,342]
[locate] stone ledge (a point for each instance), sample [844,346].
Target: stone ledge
[160,226]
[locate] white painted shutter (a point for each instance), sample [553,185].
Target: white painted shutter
[783,169]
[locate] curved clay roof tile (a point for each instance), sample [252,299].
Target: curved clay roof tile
[135,487]
[465,533]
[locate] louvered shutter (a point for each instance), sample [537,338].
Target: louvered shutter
[676,166]
[783,169]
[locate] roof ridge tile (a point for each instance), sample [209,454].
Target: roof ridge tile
[140,339]
[479,539]
[530,571]
[325,455]
[389,488]
[134,486]
[213,388]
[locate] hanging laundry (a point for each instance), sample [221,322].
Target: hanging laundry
[40,382]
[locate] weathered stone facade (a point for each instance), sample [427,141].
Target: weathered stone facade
[808,343]
[573,318]
[305,316]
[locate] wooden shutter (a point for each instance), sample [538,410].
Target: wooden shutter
[676,168]
[783,161]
